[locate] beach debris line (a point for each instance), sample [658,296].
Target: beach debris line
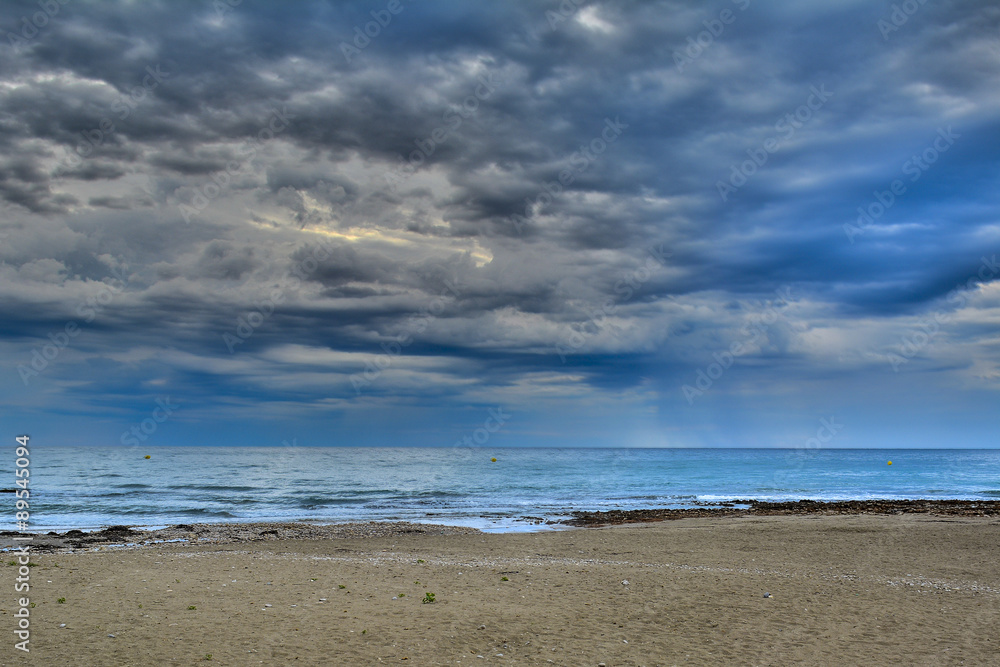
[233,533]
[800,507]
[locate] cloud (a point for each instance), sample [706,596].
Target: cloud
[490,182]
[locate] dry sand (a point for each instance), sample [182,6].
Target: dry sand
[845,590]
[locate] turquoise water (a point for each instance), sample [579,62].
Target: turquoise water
[90,487]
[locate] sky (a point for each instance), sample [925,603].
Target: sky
[401,222]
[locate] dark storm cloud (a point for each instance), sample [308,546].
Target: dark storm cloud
[491,179]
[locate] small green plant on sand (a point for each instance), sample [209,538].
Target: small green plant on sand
[208,656]
[191,606]
[428,598]
[364,632]
[421,560]
[416,583]
[341,586]
[401,595]
[504,579]
[63,601]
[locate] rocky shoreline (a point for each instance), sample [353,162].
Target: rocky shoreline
[242,533]
[738,508]
[224,533]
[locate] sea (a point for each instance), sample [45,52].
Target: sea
[501,490]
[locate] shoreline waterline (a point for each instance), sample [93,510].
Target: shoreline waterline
[136,536]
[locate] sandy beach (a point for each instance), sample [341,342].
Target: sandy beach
[908,589]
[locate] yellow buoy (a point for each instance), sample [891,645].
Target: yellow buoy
[890,462]
[147,456]
[494,459]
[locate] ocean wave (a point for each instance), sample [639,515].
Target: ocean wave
[215,487]
[222,514]
[316,502]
